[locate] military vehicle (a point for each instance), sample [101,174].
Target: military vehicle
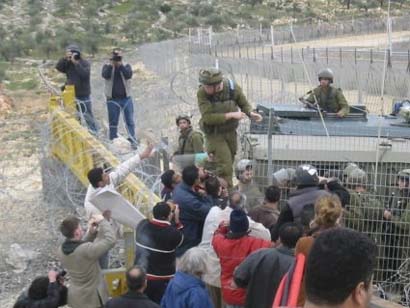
[291,134]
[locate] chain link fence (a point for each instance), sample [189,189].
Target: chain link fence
[165,84]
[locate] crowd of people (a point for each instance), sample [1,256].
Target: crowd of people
[205,246]
[210,243]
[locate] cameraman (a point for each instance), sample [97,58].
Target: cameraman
[77,71]
[80,255]
[118,92]
[44,292]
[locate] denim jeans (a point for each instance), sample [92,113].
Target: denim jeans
[114,107]
[85,112]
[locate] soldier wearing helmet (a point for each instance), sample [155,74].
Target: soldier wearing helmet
[397,225]
[222,105]
[364,212]
[329,98]
[251,192]
[301,201]
[190,141]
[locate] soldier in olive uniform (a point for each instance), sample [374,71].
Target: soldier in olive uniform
[189,141]
[222,105]
[251,192]
[190,144]
[363,213]
[330,99]
[397,226]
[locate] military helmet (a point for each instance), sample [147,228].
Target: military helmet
[183,117]
[242,165]
[405,111]
[349,168]
[210,76]
[404,174]
[326,74]
[283,176]
[306,175]
[357,177]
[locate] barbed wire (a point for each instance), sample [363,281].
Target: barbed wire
[165,84]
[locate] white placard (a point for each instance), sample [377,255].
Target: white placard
[121,209]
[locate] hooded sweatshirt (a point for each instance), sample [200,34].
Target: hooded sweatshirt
[185,291]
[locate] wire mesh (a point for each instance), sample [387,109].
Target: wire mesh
[165,84]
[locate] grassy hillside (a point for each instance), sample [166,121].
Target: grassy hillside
[40,29]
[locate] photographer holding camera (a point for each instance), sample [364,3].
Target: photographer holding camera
[44,292]
[79,255]
[77,71]
[118,92]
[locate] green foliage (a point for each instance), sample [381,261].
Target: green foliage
[100,24]
[252,2]
[215,20]
[123,8]
[2,74]
[165,8]
[29,84]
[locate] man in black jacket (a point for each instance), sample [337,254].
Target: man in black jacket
[156,242]
[77,71]
[261,272]
[303,198]
[136,283]
[117,88]
[44,292]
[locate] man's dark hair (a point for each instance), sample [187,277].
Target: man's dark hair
[69,225]
[166,178]
[189,175]
[212,186]
[339,260]
[135,282]
[290,233]
[161,210]
[38,288]
[95,176]
[272,194]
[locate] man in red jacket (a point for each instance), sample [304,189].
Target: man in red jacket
[232,245]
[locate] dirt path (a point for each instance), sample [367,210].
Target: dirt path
[370,40]
[24,218]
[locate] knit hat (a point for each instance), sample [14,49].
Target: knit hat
[239,222]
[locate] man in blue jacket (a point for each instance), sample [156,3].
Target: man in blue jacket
[194,206]
[117,77]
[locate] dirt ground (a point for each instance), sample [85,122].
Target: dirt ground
[25,218]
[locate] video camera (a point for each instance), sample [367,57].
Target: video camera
[116,56]
[75,55]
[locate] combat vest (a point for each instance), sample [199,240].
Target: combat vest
[223,102]
[328,100]
[185,145]
[363,213]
